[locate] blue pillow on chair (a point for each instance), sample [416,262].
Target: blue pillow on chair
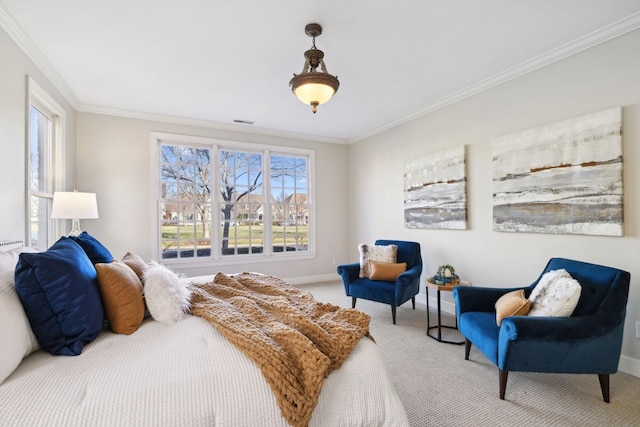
[59,293]
[94,249]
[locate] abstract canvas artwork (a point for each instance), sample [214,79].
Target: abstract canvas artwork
[565,177]
[435,190]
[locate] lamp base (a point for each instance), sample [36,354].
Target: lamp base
[75,227]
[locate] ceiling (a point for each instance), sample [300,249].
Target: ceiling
[215,61]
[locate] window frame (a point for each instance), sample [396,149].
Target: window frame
[45,104]
[215,145]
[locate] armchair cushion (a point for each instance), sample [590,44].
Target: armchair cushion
[381,253]
[556,294]
[386,270]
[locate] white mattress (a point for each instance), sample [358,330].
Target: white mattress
[184,374]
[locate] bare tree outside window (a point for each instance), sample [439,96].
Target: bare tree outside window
[242,197]
[186,201]
[245,202]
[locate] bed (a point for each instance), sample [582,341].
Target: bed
[185,373]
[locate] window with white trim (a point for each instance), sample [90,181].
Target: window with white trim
[228,200]
[45,145]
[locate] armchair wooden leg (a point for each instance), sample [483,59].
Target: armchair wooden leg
[604,386]
[393,313]
[467,348]
[413,302]
[353,302]
[503,382]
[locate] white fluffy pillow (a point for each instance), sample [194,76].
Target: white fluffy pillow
[9,259]
[17,340]
[556,294]
[378,253]
[166,293]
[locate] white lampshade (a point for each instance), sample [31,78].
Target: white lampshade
[75,206]
[69,205]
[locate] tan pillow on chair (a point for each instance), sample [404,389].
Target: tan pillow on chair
[386,270]
[512,304]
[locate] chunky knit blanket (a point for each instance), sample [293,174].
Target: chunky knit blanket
[295,340]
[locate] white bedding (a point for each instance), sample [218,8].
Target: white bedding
[184,374]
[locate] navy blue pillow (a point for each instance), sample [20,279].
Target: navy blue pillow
[94,249]
[59,292]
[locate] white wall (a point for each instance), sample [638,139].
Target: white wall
[594,80]
[114,161]
[14,68]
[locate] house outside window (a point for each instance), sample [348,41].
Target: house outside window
[222,200]
[45,153]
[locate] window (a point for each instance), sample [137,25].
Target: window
[44,173]
[215,203]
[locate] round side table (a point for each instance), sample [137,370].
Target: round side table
[439,326]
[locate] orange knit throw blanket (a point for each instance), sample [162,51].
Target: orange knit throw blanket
[295,340]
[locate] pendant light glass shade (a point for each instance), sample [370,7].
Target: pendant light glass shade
[314,93]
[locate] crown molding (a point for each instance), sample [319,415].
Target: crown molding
[616,29]
[24,42]
[164,118]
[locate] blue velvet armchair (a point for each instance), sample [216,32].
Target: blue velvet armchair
[405,288]
[588,342]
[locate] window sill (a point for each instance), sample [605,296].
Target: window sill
[235,260]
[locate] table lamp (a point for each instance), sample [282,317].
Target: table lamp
[74,206]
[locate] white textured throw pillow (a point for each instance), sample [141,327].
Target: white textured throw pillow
[17,340]
[166,293]
[9,258]
[556,294]
[378,253]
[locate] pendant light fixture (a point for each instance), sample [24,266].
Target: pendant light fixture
[312,86]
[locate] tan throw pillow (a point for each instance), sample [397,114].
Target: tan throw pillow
[386,270]
[121,292]
[511,304]
[380,253]
[136,263]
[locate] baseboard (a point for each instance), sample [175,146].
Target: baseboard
[331,277]
[627,364]
[447,307]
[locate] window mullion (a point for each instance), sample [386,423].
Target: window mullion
[267,217]
[216,218]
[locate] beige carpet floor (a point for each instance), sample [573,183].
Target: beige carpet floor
[439,388]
